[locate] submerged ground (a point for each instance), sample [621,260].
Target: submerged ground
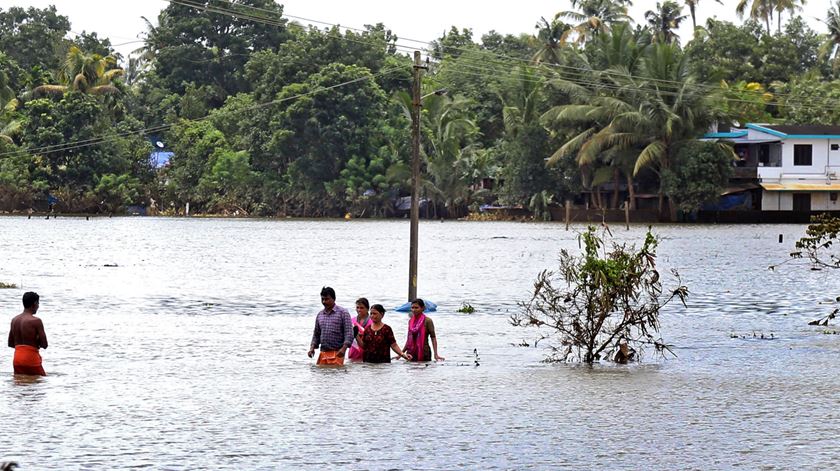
[191,351]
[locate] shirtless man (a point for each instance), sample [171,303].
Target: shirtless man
[26,336]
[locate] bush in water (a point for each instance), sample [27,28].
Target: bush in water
[606,306]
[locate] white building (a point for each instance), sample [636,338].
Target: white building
[797,166]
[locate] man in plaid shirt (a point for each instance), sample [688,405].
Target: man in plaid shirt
[333,331]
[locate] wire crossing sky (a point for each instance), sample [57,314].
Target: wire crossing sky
[120,20]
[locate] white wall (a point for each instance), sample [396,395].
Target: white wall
[820,154]
[822,202]
[783,201]
[776,201]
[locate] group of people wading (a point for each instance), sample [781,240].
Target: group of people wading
[365,338]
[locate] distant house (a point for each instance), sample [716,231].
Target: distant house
[796,166]
[160,159]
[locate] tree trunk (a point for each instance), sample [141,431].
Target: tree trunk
[693,17]
[616,182]
[631,192]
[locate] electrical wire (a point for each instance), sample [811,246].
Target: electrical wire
[100,140]
[461,49]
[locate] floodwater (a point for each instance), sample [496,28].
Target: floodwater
[181,344]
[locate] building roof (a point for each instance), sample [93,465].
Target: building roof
[829,186]
[802,131]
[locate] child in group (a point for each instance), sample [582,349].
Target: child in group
[360,322]
[378,339]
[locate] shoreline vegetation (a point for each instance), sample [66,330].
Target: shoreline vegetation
[234,113]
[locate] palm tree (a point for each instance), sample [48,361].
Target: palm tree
[618,54]
[87,73]
[551,37]
[447,136]
[830,49]
[651,114]
[153,43]
[692,8]
[596,16]
[759,10]
[9,124]
[521,100]
[665,20]
[786,5]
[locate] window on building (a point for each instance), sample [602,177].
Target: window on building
[835,146]
[802,154]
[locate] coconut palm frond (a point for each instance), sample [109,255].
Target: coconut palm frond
[571,146]
[653,153]
[48,90]
[575,91]
[11,128]
[112,74]
[104,90]
[80,82]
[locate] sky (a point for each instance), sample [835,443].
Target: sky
[120,20]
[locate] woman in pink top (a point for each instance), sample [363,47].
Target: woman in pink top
[361,321]
[421,332]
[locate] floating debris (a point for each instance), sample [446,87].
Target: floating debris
[466,308]
[753,335]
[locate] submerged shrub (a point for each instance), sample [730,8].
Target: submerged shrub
[603,303]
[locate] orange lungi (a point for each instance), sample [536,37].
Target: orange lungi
[28,361]
[330,359]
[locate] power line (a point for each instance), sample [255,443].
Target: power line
[528,62]
[100,140]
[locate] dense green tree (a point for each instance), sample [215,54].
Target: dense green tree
[508,45]
[32,37]
[724,51]
[653,113]
[453,43]
[319,130]
[745,102]
[209,43]
[52,126]
[474,74]
[804,99]
[12,79]
[700,173]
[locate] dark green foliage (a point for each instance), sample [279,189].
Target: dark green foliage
[699,174]
[270,117]
[33,37]
[805,98]
[819,243]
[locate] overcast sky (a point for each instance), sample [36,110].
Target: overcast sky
[120,20]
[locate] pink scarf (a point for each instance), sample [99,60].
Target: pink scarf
[356,353]
[416,337]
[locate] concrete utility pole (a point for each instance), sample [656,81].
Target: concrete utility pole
[415,176]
